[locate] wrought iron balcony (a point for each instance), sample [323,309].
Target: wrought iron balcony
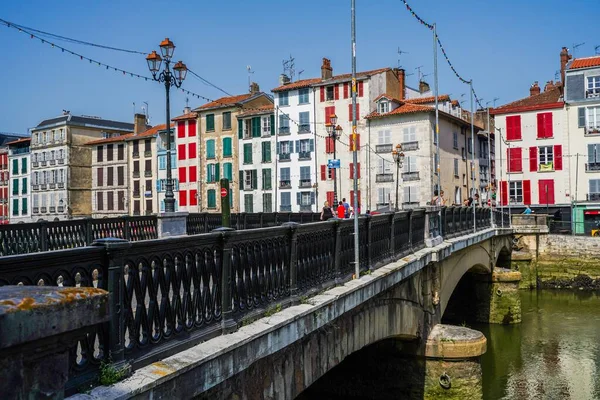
[148,153]
[136,193]
[44,163]
[305,207]
[61,185]
[410,146]
[60,209]
[384,178]
[52,162]
[266,131]
[148,212]
[136,154]
[136,174]
[35,187]
[43,210]
[52,185]
[147,173]
[35,164]
[410,176]
[593,197]
[61,161]
[284,130]
[136,212]
[304,155]
[591,94]
[285,184]
[43,186]
[592,130]
[286,207]
[52,209]
[36,210]
[592,167]
[304,128]
[305,183]
[384,148]
[285,157]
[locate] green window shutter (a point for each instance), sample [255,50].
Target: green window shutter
[254,179]
[24,208]
[268,151]
[267,178]
[227,147]
[248,153]
[210,122]
[15,186]
[272,125]
[210,148]
[24,186]
[240,129]
[208,174]
[217,175]
[23,165]
[211,198]
[15,210]
[241,182]
[15,167]
[256,126]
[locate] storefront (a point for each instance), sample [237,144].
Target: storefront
[586,218]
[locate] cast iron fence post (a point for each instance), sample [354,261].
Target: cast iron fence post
[116,250]
[369,242]
[87,223]
[43,236]
[260,219]
[338,249]
[126,227]
[392,237]
[293,232]
[410,229]
[228,324]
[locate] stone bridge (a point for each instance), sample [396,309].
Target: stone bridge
[286,351]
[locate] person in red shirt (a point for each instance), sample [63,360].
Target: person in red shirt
[341,210]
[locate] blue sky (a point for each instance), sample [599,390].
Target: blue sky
[502,45]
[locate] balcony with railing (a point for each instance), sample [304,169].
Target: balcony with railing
[52,185]
[592,94]
[384,178]
[43,210]
[304,155]
[136,174]
[285,157]
[52,209]
[304,128]
[136,154]
[52,162]
[592,167]
[285,184]
[593,197]
[410,176]
[43,186]
[305,208]
[284,130]
[148,153]
[61,161]
[147,173]
[384,148]
[35,187]
[592,130]
[36,210]
[44,163]
[136,193]
[60,209]
[305,183]
[61,185]
[287,207]
[410,146]
[546,167]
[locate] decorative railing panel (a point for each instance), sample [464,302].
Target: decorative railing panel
[401,233]
[380,238]
[315,254]
[417,229]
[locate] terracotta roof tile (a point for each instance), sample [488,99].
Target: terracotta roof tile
[268,109]
[548,98]
[151,132]
[381,96]
[120,138]
[405,108]
[190,115]
[23,140]
[426,100]
[586,62]
[316,81]
[225,101]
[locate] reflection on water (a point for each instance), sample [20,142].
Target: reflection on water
[553,354]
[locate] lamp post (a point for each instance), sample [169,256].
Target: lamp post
[334,131]
[398,159]
[169,78]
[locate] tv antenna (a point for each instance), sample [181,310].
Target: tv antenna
[400,52]
[419,72]
[288,67]
[250,73]
[300,73]
[147,112]
[576,46]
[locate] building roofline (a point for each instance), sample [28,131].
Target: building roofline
[519,109]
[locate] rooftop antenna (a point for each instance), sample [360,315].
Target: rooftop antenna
[288,67]
[250,73]
[597,49]
[575,46]
[187,102]
[557,76]
[400,52]
[419,71]
[300,73]
[462,100]
[134,108]
[147,109]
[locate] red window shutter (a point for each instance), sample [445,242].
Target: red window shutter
[192,128]
[558,161]
[357,111]
[351,171]
[548,125]
[323,172]
[327,145]
[181,129]
[350,112]
[345,90]
[333,173]
[322,93]
[191,150]
[527,192]
[504,192]
[541,126]
[193,197]
[518,127]
[330,198]
[533,165]
[181,151]
[358,174]
[182,175]
[515,160]
[329,111]
[352,198]
[336,92]
[193,175]
[513,127]
[183,197]
[360,89]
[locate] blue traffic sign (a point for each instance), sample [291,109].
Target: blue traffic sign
[333,163]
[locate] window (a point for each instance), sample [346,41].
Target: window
[546,191]
[516,192]
[515,163]
[210,148]
[284,176]
[266,179]
[250,179]
[546,158]
[266,151]
[303,96]
[99,153]
[411,195]
[110,201]
[384,166]
[544,125]
[305,199]
[120,152]
[329,93]
[15,167]
[266,125]
[267,203]
[594,189]
[284,124]
[248,203]
[191,150]
[210,123]
[247,134]
[109,176]
[109,152]
[247,153]
[228,171]
[305,180]
[350,111]
[24,206]
[15,207]
[469,145]
[99,176]
[24,186]
[304,148]
[455,140]
[212,173]
[162,162]
[181,151]
[304,122]
[513,127]
[120,176]
[593,119]
[286,201]
[456,167]
[227,147]
[384,137]
[284,99]
[383,196]
[99,201]
[15,186]
[410,164]
[227,121]
[593,86]
[410,134]
[285,148]
[383,107]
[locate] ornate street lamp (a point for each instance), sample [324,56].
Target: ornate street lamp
[169,78]
[398,159]
[334,133]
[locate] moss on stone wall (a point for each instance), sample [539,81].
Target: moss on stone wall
[465,380]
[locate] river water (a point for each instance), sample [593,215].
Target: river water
[553,354]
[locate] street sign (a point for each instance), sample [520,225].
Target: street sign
[223,192]
[333,163]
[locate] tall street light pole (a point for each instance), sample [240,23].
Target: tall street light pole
[169,78]
[398,159]
[334,133]
[354,143]
[473,190]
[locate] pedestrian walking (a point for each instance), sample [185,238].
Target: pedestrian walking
[341,210]
[326,212]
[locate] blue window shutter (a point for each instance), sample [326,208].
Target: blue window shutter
[298,197]
[277,148]
[581,115]
[312,145]
[241,182]
[575,87]
[297,146]
[312,197]
[217,172]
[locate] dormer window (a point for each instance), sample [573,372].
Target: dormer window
[593,86]
[383,107]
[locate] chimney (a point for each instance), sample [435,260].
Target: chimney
[187,110]
[283,79]
[139,123]
[254,88]
[534,89]
[326,70]
[423,87]
[564,59]
[549,86]
[402,83]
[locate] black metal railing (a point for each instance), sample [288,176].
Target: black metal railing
[177,292]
